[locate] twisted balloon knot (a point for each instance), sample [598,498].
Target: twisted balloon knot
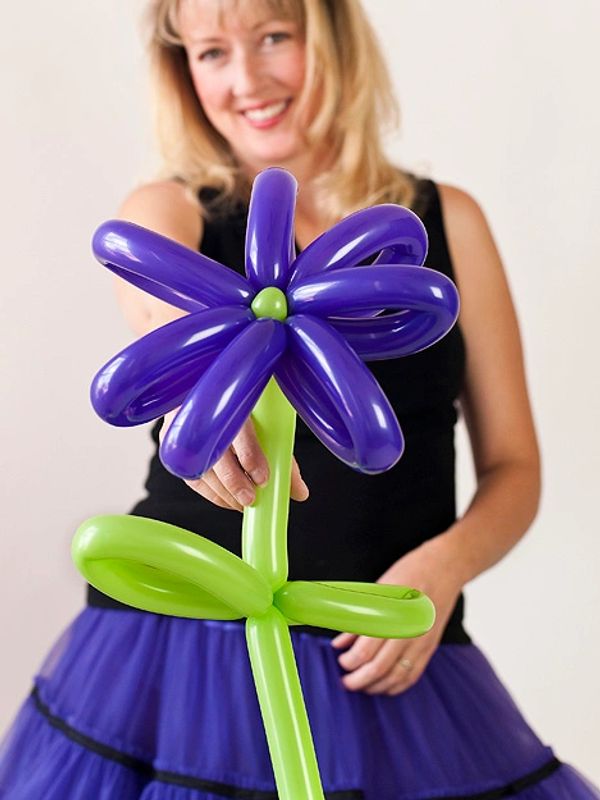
[270,303]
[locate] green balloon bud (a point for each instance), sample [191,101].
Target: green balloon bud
[270,302]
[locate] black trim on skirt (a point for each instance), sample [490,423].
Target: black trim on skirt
[226,790]
[174,778]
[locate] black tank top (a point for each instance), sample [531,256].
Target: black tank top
[353,526]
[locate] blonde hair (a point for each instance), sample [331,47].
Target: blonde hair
[344,66]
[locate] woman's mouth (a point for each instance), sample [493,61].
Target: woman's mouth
[268,115]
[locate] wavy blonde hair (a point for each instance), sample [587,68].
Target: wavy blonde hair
[346,70]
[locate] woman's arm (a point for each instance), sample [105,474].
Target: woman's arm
[495,400]
[167,208]
[505,452]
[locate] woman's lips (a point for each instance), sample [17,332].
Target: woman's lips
[266,116]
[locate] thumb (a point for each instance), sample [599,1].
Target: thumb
[167,420]
[298,489]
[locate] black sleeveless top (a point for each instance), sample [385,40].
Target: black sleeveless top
[353,526]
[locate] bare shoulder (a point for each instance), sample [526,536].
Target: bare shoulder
[166,207]
[457,199]
[459,207]
[472,247]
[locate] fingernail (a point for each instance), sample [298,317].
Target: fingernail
[245,497]
[259,476]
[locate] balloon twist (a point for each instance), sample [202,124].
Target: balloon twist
[295,328]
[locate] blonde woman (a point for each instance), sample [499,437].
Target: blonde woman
[135,705]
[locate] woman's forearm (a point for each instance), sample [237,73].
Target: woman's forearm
[500,513]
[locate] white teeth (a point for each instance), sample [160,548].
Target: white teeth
[268,112]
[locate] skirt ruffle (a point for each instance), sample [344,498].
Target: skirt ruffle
[132,706]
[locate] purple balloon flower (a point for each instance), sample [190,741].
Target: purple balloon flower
[308,321]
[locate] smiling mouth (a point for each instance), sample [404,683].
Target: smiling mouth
[267,113]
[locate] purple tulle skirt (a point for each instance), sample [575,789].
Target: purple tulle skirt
[134,705]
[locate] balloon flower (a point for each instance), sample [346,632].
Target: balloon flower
[290,336]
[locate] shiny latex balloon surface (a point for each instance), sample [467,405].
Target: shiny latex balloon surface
[320,378]
[270,247]
[166,570]
[310,321]
[160,370]
[222,399]
[291,335]
[166,269]
[388,231]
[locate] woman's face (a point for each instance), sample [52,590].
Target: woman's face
[248,71]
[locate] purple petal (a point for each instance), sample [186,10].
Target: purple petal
[155,373]
[270,230]
[338,397]
[392,335]
[167,269]
[222,400]
[361,235]
[428,303]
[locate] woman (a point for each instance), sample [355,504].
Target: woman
[130,704]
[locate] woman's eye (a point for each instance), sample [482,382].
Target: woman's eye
[210,55]
[276,36]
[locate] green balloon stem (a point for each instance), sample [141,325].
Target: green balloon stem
[282,707]
[264,546]
[264,528]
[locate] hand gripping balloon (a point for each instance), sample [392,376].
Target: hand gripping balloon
[295,328]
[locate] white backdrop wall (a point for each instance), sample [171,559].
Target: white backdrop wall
[498,97]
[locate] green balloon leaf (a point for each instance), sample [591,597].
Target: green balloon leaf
[367,609]
[162,568]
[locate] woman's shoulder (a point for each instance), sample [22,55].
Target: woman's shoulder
[167,207]
[432,197]
[457,204]
[467,232]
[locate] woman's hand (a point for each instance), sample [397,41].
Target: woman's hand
[390,666]
[232,482]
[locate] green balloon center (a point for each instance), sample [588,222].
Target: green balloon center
[270,302]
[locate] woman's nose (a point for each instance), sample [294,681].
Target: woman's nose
[247,75]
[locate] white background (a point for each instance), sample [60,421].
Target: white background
[498,97]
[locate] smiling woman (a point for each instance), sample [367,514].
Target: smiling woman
[248,78]
[132,704]
[217,74]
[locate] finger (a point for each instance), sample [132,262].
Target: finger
[376,668]
[404,681]
[407,678]
[211,479]
[361,652]
[398,678]
[250,455]
[298,489]
[234,481]
[203,487]
[167,420]
[344,639]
